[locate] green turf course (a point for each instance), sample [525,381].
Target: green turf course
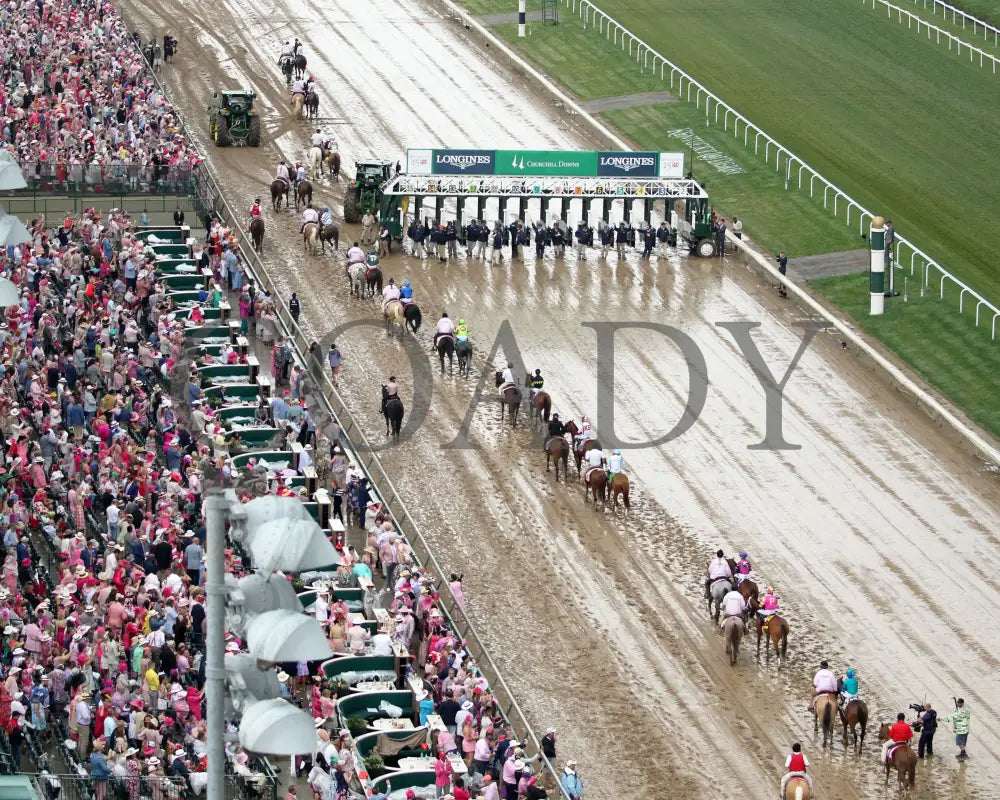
[944,347]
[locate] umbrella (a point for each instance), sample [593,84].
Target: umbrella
[277,728]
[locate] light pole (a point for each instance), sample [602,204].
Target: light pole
[215,670]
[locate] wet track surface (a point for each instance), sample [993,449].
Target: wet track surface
[880,532]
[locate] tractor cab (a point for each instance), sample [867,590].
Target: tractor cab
[233,119]
[364,194]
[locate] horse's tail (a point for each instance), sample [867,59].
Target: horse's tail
[798,792]
[828,716]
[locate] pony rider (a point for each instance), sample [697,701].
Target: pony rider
[389,294]
[445,327]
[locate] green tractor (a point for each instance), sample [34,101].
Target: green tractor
[362,194]
[697,231]
[232,119]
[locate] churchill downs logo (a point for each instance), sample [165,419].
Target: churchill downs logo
[628,163]
[463,162]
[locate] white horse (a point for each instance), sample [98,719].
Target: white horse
[316,160]
[310,238]
[393,312]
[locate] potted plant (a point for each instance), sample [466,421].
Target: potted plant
[341,688]
[374,765]
[357,726]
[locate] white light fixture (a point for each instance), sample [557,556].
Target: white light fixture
[262,510]
[11,178]
[277,728]
[290,546]
[248,683]
[277,636]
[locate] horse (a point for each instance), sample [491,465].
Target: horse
[299,65]
[732,632]
[903,759]
[297,103]
[853,714]
[257,233]
[619,486]
[312,104]
[446,347]
[286,68]
[556,450]
[777,637]
[413,317]
[751,596]
[825,711]
[392,312]
[310,237]
[541,403]
[596,481]
[279,189]
[588,445]
[392,410]
[373,281]
[333,164]
[329,233]
[718,590]
[464,352]
[511,399]
[356,275]
[316,160]
[303,194]
[797,788]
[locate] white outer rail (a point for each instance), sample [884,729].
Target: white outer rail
[647,57]
[957,14]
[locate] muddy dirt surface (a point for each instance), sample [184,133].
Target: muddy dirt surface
[879,532]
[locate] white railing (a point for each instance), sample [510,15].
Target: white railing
[647,58]
[958,15]
[901,14]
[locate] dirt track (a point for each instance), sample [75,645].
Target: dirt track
[879,532]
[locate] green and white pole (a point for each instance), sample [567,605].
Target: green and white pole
[876,240]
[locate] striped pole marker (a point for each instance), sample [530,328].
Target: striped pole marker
[522,16]
[876,240]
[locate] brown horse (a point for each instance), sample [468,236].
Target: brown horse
[541,407]
[329,233]
[299,65]
[333,164]
[588,445]
[257,234]
[732,633]
[797,789]
[855,713]
[510,399]
[777,637]
[303,194]
[826,712]
[556,450]
[619,486]
[279,189]
[903,759]
[751,596]
[596,481]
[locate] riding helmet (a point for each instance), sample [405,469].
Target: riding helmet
[617,452]
[406,283]
[850,673]
[743,555]
[769,590]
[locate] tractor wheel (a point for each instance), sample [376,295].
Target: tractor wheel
[213,127]
[352,209]
[222,136]
[253,139]
[705,248]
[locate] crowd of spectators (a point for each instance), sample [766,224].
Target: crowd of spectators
[78,106]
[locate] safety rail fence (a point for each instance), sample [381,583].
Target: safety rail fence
[50,786]
[648,59]
[123,178]
[959,16]
[213,199]
[985,59]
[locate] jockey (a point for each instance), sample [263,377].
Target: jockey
[309,215]
[282,173]
[743,568]
[255,209]
[556,427]
[508,376]
[326,218]
[768,605]
[537,382]
[298,88]
[849,687]
[461,331]
[297,47]
[445,327]
[355,255]
[796,764]
[718,569]
[733,604]
[300,173]
[900,733]
[595,460]
[824,682]
[318,140]
[371,260]
[286,51]
[310,84]
[585,432]
[615,464]
[406,293]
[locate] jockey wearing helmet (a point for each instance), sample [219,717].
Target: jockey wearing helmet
[310,84]
[849,687]
[743,568]
[585,434]
[255,209]
[300,173]
[537,382]
[445,327]
[595,460]
[326,218]
[406,293]
[768,606]
[616,463]
[372,261]
[297,47]
[462,331]
[508,376]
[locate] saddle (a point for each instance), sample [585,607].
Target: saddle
[368,272]
[892,749]
[590,472]
[439,336]
[504,387]
[550,440]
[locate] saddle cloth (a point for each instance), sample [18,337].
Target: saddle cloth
[591,471]
[892,749]
[550,440]
[504,387]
